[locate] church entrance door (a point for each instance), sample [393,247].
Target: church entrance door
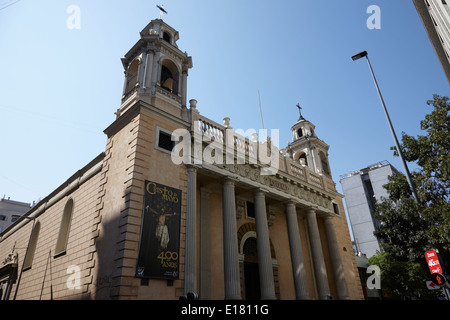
[251,275]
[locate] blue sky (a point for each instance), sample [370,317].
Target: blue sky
[60,87]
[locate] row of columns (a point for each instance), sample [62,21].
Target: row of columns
[231,254]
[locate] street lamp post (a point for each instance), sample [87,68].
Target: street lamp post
[405,167]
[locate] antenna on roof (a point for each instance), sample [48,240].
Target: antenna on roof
[260,110]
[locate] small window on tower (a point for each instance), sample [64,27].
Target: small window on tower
[164,140]
[303,160]
[300,133]
[325,167]
[166,37]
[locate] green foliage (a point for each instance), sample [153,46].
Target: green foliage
[407,229]
[431,152]
[405,279]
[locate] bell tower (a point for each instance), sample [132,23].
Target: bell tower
[306,148]
[156,70]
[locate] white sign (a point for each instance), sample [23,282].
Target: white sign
[432,286]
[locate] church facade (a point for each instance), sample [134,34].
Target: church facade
[178,203]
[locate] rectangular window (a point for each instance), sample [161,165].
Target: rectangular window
[250,209]
[164,140]
[336,208]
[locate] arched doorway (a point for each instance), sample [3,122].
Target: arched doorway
[251,270]
[249,267]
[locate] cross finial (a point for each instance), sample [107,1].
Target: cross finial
[161,11]
[299,110]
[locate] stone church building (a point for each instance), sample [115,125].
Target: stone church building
[158,214]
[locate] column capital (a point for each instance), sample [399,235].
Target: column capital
[230,180]
[261,191]
[191,167]
[205,191]
[328,216]
[290,202]
[311,210]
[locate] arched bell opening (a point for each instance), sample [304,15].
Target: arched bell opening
[324,162]
[170,76]
[132,76]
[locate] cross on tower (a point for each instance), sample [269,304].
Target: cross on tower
[161,10]
[299,110]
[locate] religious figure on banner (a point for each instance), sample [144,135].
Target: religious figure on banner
[160,232]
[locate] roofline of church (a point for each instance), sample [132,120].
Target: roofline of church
[70,185]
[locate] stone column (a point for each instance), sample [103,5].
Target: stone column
[317,255]
[148,69]
[205,248]
[190,276]
[230,244]
[141,70]
[184,75]
[155,70]
[125,73]
[298,268]
[263,246]
[314,158]
[336,261]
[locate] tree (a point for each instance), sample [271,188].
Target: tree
[405,279]
[407,229]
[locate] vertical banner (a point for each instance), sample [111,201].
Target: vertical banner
[433,261]
[160,233]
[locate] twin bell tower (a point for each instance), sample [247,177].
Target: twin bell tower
[156,70]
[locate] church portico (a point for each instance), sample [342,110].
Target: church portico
[249,199]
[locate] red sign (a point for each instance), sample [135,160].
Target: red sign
[438,279]
[433,261]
